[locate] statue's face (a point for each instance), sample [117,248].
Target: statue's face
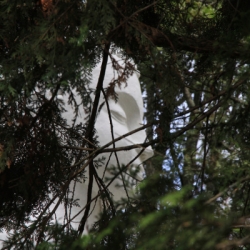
[127,115]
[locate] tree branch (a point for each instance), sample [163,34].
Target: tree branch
[89,134]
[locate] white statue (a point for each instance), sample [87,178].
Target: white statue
[127,115]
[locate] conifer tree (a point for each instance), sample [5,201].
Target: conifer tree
[193,57]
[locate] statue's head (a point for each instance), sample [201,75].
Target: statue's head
[126,114]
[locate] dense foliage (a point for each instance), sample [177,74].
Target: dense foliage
[194,59]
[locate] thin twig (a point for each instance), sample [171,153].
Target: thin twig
[226,189]
[113,138]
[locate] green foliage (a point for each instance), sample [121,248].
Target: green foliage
[193,57]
